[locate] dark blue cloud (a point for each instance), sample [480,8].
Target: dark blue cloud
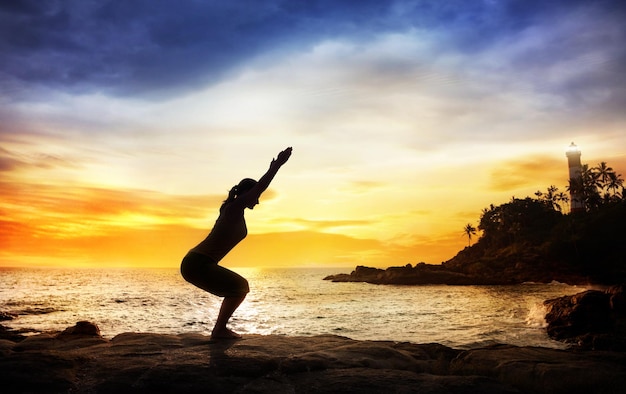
[149,47]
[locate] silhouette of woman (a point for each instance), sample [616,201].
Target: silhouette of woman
[200,266]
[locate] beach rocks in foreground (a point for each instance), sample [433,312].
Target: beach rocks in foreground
[80,360]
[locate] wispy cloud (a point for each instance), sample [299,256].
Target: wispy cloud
[523,173]
[323,225]
[60,211]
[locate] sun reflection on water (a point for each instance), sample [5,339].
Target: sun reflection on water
[281,301]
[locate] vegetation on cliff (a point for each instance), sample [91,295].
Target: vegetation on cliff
[532,239]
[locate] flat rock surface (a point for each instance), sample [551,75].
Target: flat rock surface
[144,362]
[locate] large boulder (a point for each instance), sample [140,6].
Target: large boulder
[592,319]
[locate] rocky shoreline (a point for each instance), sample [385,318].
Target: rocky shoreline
[430,274]
[80,360]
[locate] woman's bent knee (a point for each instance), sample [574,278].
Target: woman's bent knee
[206,274]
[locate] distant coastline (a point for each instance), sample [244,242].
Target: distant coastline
[430,274]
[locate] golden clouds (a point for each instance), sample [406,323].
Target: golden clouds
[52,224]
[300,248]
[87,226]
[74,222]
[512,175]
[293,249]
[323,225]
[38,202]
[359,187]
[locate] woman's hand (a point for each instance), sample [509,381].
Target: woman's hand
[283,157]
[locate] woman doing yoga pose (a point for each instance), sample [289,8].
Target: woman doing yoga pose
[200,265]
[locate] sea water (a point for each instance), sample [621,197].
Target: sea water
[294,301]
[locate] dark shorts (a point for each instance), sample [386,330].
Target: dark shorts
[203,272]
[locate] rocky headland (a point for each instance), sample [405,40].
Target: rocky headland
[80,360]
[524,240]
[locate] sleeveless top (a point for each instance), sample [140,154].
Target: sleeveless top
[229,229]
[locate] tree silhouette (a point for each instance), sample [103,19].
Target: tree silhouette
[520,220]
[603,173]
[615,183]
[562,198]
[597,186]
[553,197]
[469,230]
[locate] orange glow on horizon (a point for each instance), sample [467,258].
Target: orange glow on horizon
[64,225]
[360,223]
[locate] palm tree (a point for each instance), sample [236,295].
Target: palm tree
[615,183]
[587,188]
[552,197]
[562,198]
[603,172]
[469,230]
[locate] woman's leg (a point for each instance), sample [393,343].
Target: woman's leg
[229,305]
[220,281]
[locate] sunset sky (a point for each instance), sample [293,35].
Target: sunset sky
[123,124]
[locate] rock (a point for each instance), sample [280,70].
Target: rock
[592,319]
[192,363]
[421,274]
[541,370]
[360,274]
[570,316]
[6,316]
[81,328]
[10,334]
[618,299]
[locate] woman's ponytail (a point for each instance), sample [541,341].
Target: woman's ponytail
[232,194]
[243,186]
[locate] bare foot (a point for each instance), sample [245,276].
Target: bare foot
[225,334]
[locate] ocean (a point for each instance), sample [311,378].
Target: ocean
[282,301]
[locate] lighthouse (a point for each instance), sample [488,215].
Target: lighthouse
[575,178]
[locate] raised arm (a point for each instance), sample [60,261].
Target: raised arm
[255,192]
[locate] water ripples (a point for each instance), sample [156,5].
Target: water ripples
[281,301]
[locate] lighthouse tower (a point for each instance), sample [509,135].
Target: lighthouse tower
[575,177]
